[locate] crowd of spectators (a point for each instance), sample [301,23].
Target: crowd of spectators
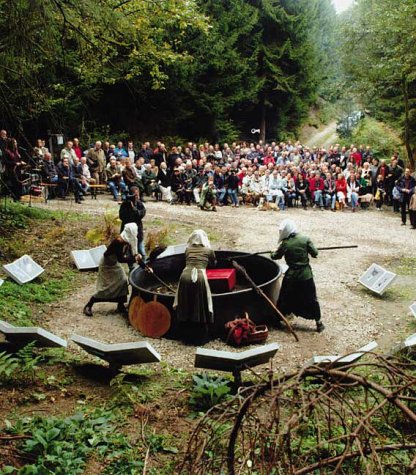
[272,175]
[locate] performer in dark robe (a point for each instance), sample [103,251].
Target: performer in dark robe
[193,300]
[298,292]
[112,282]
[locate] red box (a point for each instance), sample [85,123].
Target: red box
[221,280]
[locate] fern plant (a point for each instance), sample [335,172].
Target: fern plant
[8,366]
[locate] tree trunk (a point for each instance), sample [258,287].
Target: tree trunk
[410,152]
[263,120]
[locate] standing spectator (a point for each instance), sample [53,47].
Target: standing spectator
[68,152]
[77,148]
[130,151]
[406,186]
[380,192]
[13,168]
[412,210]
[96,162]
[146,152]
[120,151]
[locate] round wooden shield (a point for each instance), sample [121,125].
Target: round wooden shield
[153,320]
[135,305]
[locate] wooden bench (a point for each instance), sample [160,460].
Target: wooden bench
[95,188]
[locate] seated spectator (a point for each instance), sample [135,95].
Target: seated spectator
[302,190]
[66,181]
[49,173]
[115,180]
[291,190]
[330,192]
[177,184]
[208,196]
[130,175]
[231,185]
[316,188]
[149,180]
[353,190]
[86,174]
[197,183]
[163,179]
[341,187]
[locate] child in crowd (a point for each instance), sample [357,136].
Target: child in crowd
[380,192]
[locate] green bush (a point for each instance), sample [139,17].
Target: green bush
[379,137]
[208,391]
[63,446]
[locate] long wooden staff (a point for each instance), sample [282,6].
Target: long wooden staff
[242,270]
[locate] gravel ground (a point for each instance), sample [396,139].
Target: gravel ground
[352,316]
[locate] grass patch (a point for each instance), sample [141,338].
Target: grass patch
[17,301]
[407,266]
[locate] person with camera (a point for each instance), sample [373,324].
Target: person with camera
[132,210]
[208,196]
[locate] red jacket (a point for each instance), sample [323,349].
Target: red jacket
[341,185]
[316,184]
[357,158]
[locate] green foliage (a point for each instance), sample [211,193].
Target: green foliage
[20,367]
[107,231]
[16,300]
[379,36]
[208,391]
[63,446]
[383,141]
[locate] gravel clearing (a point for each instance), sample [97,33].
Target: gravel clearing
[352,316]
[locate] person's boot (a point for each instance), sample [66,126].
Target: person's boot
[122,309]
[320,327]
[88,310]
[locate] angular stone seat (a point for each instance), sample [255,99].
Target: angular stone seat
[377,279]
[338,361]
[119,354]
[21,336]
[406,346]
[88,259]
[23,270]
[234,362]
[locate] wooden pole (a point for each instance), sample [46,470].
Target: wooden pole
[242,270]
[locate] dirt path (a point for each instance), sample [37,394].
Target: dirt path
[324,137]
[352,316]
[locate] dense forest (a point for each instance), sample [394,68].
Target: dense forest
[198,69]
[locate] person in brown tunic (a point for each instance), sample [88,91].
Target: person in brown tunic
[193,300]
[112,282]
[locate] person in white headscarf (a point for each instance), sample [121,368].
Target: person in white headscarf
[112,282]
[298,292]
[193,300]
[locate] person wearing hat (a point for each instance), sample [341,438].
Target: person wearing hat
[112,283]
[193,300]
[298,292]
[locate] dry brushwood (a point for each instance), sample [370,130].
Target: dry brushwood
[355,419]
